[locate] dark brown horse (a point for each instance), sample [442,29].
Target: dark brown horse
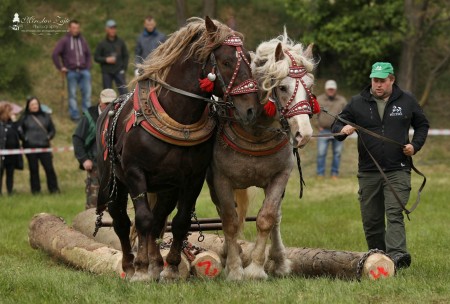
[159,139]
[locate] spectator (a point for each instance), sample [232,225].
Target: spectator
[74,52]
[85,147]
[385,109]
[9,139]
[333,103]
[112,54]
[148,40]
[36,130]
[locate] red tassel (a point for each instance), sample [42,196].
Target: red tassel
[316,106]
[206,85]
[270,109]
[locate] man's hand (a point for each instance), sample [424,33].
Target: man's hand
[348,130]
[63,70]
[408,150]
[87,165]
[111,59]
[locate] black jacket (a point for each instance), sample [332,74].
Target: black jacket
[401,112]
[32,134]
[9,139]
[108,48]
[85,150]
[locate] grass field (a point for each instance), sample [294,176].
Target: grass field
[327,217]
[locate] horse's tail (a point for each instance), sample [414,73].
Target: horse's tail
[241,197]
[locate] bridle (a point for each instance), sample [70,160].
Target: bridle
[302,107]
[246,87]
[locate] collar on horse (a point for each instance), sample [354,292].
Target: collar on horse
[234,136]
[150,115]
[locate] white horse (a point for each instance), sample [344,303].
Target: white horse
[261,155]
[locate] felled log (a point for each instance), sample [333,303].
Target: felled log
[50,234]
[308,262]
[311,262]
[205,264]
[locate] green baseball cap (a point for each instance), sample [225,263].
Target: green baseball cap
[381,70]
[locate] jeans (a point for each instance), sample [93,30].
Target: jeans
[119,79]
[322,147]
[81,78]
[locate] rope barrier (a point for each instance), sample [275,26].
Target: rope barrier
[432,132]
[34,150]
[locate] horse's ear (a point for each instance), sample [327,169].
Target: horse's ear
[210,26]
[308,53]
[279,55]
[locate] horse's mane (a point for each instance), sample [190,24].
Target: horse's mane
[269,72]
[194,37]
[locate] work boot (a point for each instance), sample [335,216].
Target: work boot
[402,260]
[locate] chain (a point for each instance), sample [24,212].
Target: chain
[98,223]
[363,260]
[201,237]
[122,102]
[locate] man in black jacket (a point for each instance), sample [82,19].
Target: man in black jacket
[85,148]
[112,54]
[385,109]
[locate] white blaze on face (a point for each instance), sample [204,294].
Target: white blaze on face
[300,125]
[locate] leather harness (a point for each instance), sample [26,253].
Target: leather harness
[151,116]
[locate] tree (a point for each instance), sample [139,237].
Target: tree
[426,47]
[352,34]
[13,76]
[181,12]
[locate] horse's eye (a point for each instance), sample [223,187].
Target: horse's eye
[282,88]
[227,64]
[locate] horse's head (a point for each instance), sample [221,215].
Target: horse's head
[283,71]
[229,68]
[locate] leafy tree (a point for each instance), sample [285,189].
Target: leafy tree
[352,34]
[13,75]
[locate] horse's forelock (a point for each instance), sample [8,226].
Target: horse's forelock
[271,72]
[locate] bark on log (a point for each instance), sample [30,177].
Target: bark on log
[307,262]
[51,234]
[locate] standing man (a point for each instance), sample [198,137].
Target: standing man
[148,40]
[75,55]
[112,54]
[333,103]
[85,148]
[385,109]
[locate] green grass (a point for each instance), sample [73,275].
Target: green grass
[327,217]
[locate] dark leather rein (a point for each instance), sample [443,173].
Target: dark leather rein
[364,130]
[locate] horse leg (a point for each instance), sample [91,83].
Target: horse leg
[265,221]
[230,227]
[121,223]
[278,263]
[166,202]
[180,226]
[136,182]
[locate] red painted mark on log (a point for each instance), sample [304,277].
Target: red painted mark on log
[207,268]
[381,271]
[123,275]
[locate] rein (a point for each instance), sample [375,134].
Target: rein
[386,139]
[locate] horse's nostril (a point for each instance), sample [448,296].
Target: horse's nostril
[250,113]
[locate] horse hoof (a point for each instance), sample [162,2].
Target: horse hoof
[140,277]
[169,275]
[235,274]
[255,272]
[279,269]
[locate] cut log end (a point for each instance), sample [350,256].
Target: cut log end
[184,268]
[206,265]
[378,266]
